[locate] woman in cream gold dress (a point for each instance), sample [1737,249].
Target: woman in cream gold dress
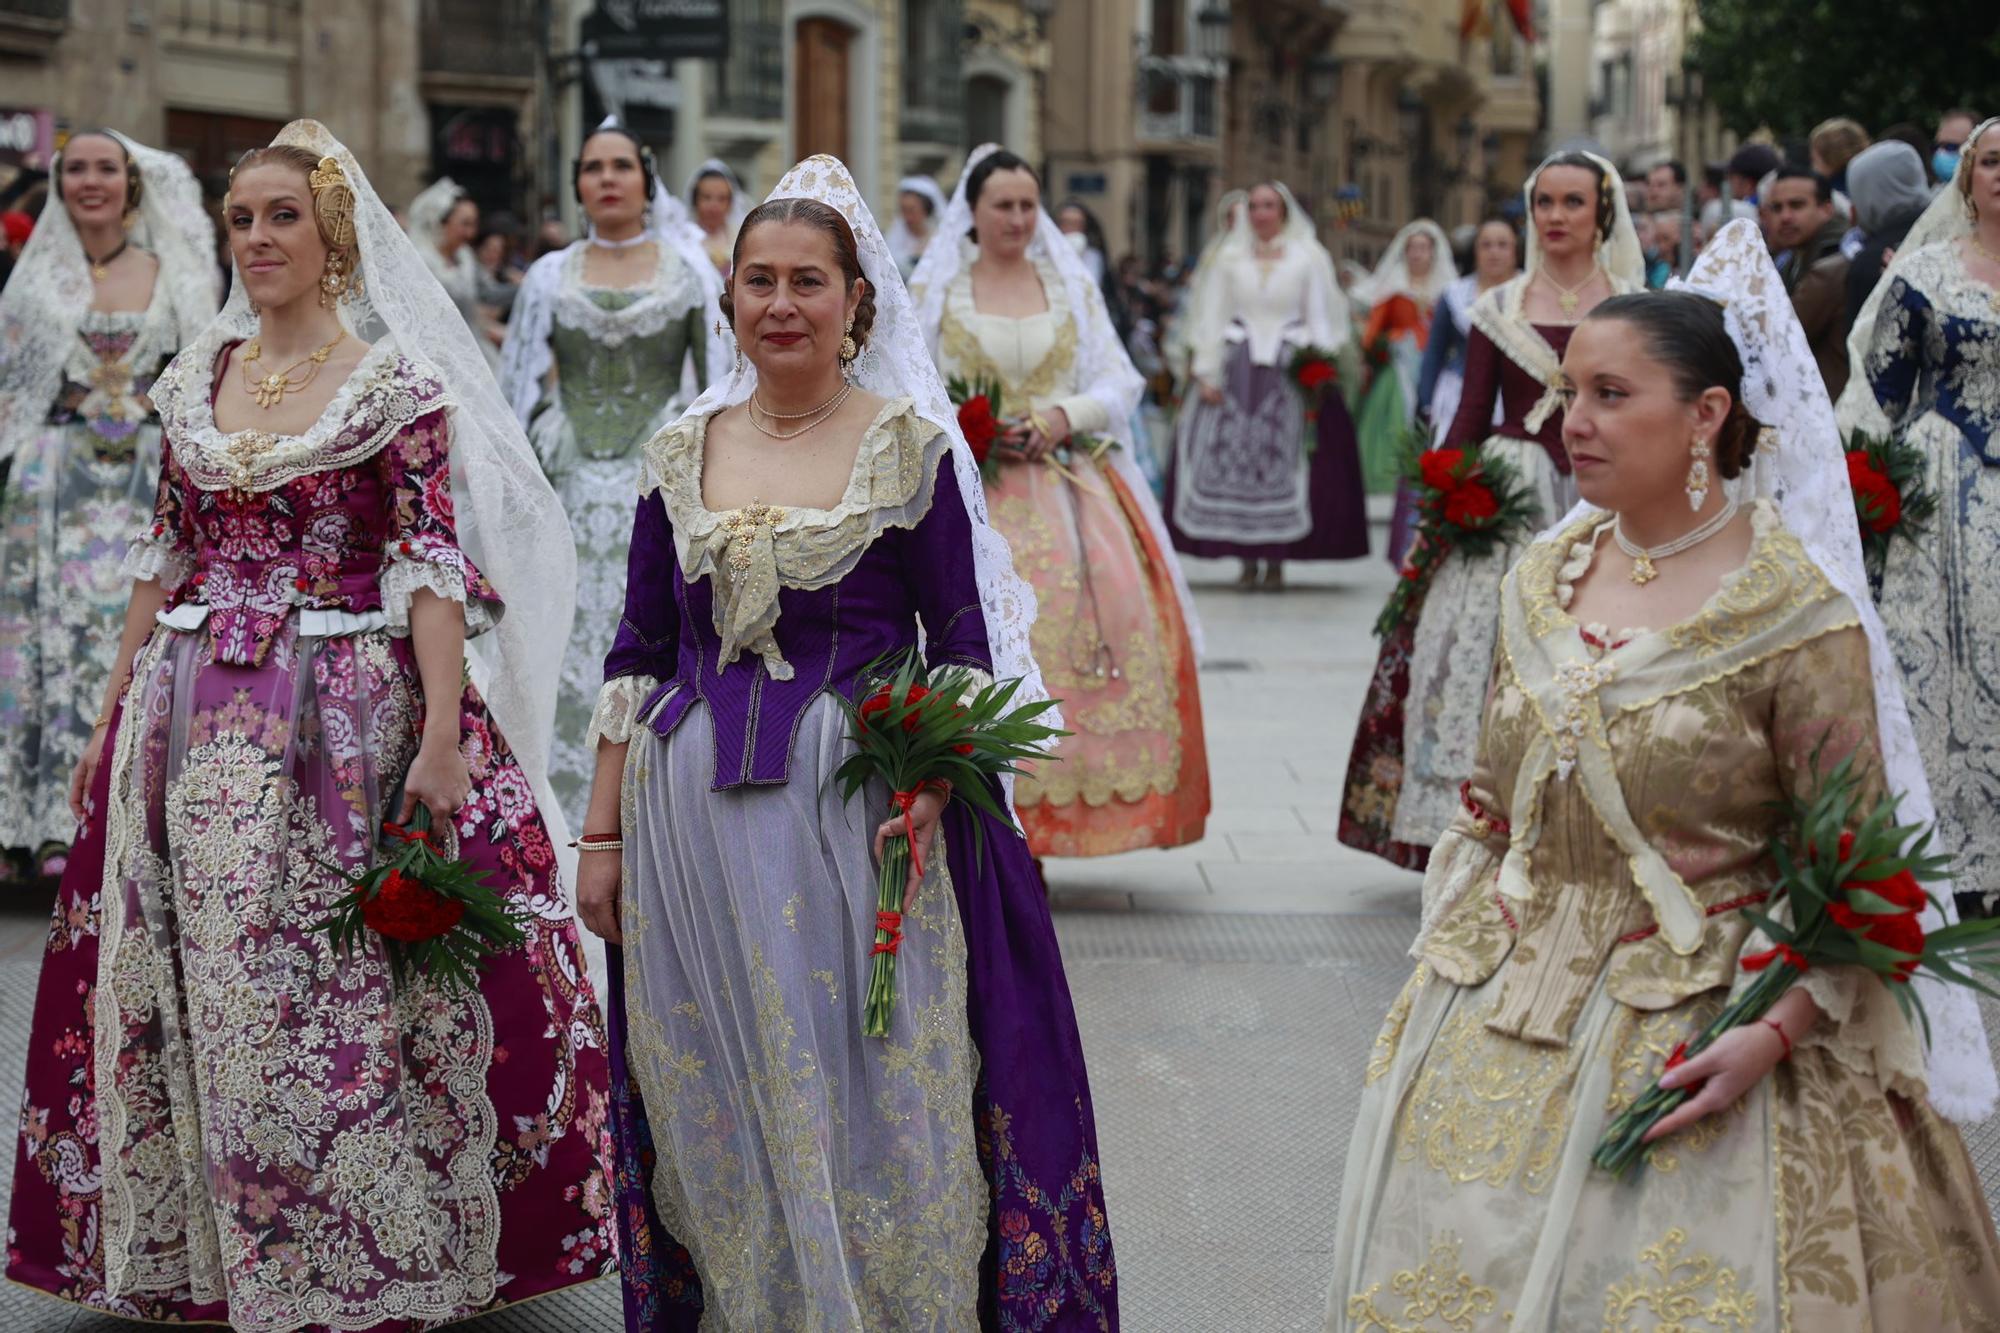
[1116,635]
[1413,744]
[1584,913]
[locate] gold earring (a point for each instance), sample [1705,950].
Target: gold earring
[848,351]
[335,280]
[1697,480]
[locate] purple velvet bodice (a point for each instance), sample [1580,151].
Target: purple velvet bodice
[828,635]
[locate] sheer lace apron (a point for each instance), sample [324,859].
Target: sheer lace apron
[1241,466]
[820,1179]
[1452,658]
[1806,1206]
[282,1127]
[1941,607]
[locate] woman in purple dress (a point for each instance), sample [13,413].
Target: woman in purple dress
[777,1169]
[226,1118]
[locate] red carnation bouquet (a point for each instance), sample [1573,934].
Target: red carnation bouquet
[1855,890]
[1890,501]
[915,729]
[1315,373]
[979,419]
[1465,502]
[435,914]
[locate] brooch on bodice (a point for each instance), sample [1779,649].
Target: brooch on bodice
[743,526]
[1579,683]
[244,449]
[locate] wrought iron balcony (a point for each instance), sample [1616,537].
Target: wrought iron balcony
[750,82]
[267,22]
[493,38]
[1179,100]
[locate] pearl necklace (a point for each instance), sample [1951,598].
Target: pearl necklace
[818,414]
[1643,557]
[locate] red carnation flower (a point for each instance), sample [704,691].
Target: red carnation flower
[407,909]
[975,421]
[1466,506]
[1314,374]
[1880,502]
[1440,468]
[876,704]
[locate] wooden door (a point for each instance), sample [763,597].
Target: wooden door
[820,66]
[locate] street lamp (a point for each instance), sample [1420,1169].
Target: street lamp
[1212,27]
[1322,79]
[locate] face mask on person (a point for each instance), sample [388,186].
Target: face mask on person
[1944,162]
[1078,241]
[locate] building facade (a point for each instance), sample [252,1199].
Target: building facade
[1372,111]
[891,87]
[416,88]
[1624,81]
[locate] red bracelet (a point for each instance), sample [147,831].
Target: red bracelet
[1778,1028]
[597,837]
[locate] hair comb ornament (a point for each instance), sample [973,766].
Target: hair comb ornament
[333,202]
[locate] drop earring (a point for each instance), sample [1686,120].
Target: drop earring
[720,327]
[848,351]
[1697,480]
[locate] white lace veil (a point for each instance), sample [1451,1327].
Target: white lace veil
[1104,371]
[525,357]
[902,242]
[1945,221]
[1176,348]
[1620,255]
[894,362]
[508,518]
[1392,275]
[1805,475]
[49,292]
[739,198]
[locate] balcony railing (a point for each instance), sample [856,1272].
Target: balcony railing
[490,38]
[750,82]
[271,22]
[1179,100]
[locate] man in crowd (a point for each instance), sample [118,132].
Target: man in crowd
[1804,224]
[1666,187]
[1890,190]
[1954,127]
[1833,145]
[1750,164]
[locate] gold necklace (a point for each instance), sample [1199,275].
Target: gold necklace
[1567,297]
[819,415]
[270,390]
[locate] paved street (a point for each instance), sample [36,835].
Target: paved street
[1227,992]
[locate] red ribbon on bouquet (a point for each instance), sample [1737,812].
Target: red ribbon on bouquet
[890,924]
[906,801]
[1757,962]
[423,836]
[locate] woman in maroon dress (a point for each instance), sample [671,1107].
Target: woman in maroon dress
[1414,745]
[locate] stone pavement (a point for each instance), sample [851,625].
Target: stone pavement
[1227,992]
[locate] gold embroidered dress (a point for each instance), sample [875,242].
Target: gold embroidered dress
[1583,917]
[1111,637]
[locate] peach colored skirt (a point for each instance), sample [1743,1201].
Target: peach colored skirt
[1113,645]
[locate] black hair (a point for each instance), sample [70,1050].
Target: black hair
[134,187]
[710,174]
[1680,172]
[1822,187]
[1685,333]
[930,208]
[997,160]
[1607,208]
[648,170]
[1499,219]
[1093,230]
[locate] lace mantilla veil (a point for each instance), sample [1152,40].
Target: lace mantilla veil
[901,243]
[525,356]
[1945,221]
[49,293]
[1205,301]
[1103,369]
[894,363]
[509,520]
[1804,474]
[1392,275]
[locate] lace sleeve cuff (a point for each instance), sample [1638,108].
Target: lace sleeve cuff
[618,705]
[1862,1027]
[402,577]
[1460,863]
[158,559]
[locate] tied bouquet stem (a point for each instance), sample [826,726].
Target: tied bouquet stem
[918,729]
[1855,891]
[1315,373]
[1466,502]
[435,914]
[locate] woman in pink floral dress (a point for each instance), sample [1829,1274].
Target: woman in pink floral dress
[226,1118]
